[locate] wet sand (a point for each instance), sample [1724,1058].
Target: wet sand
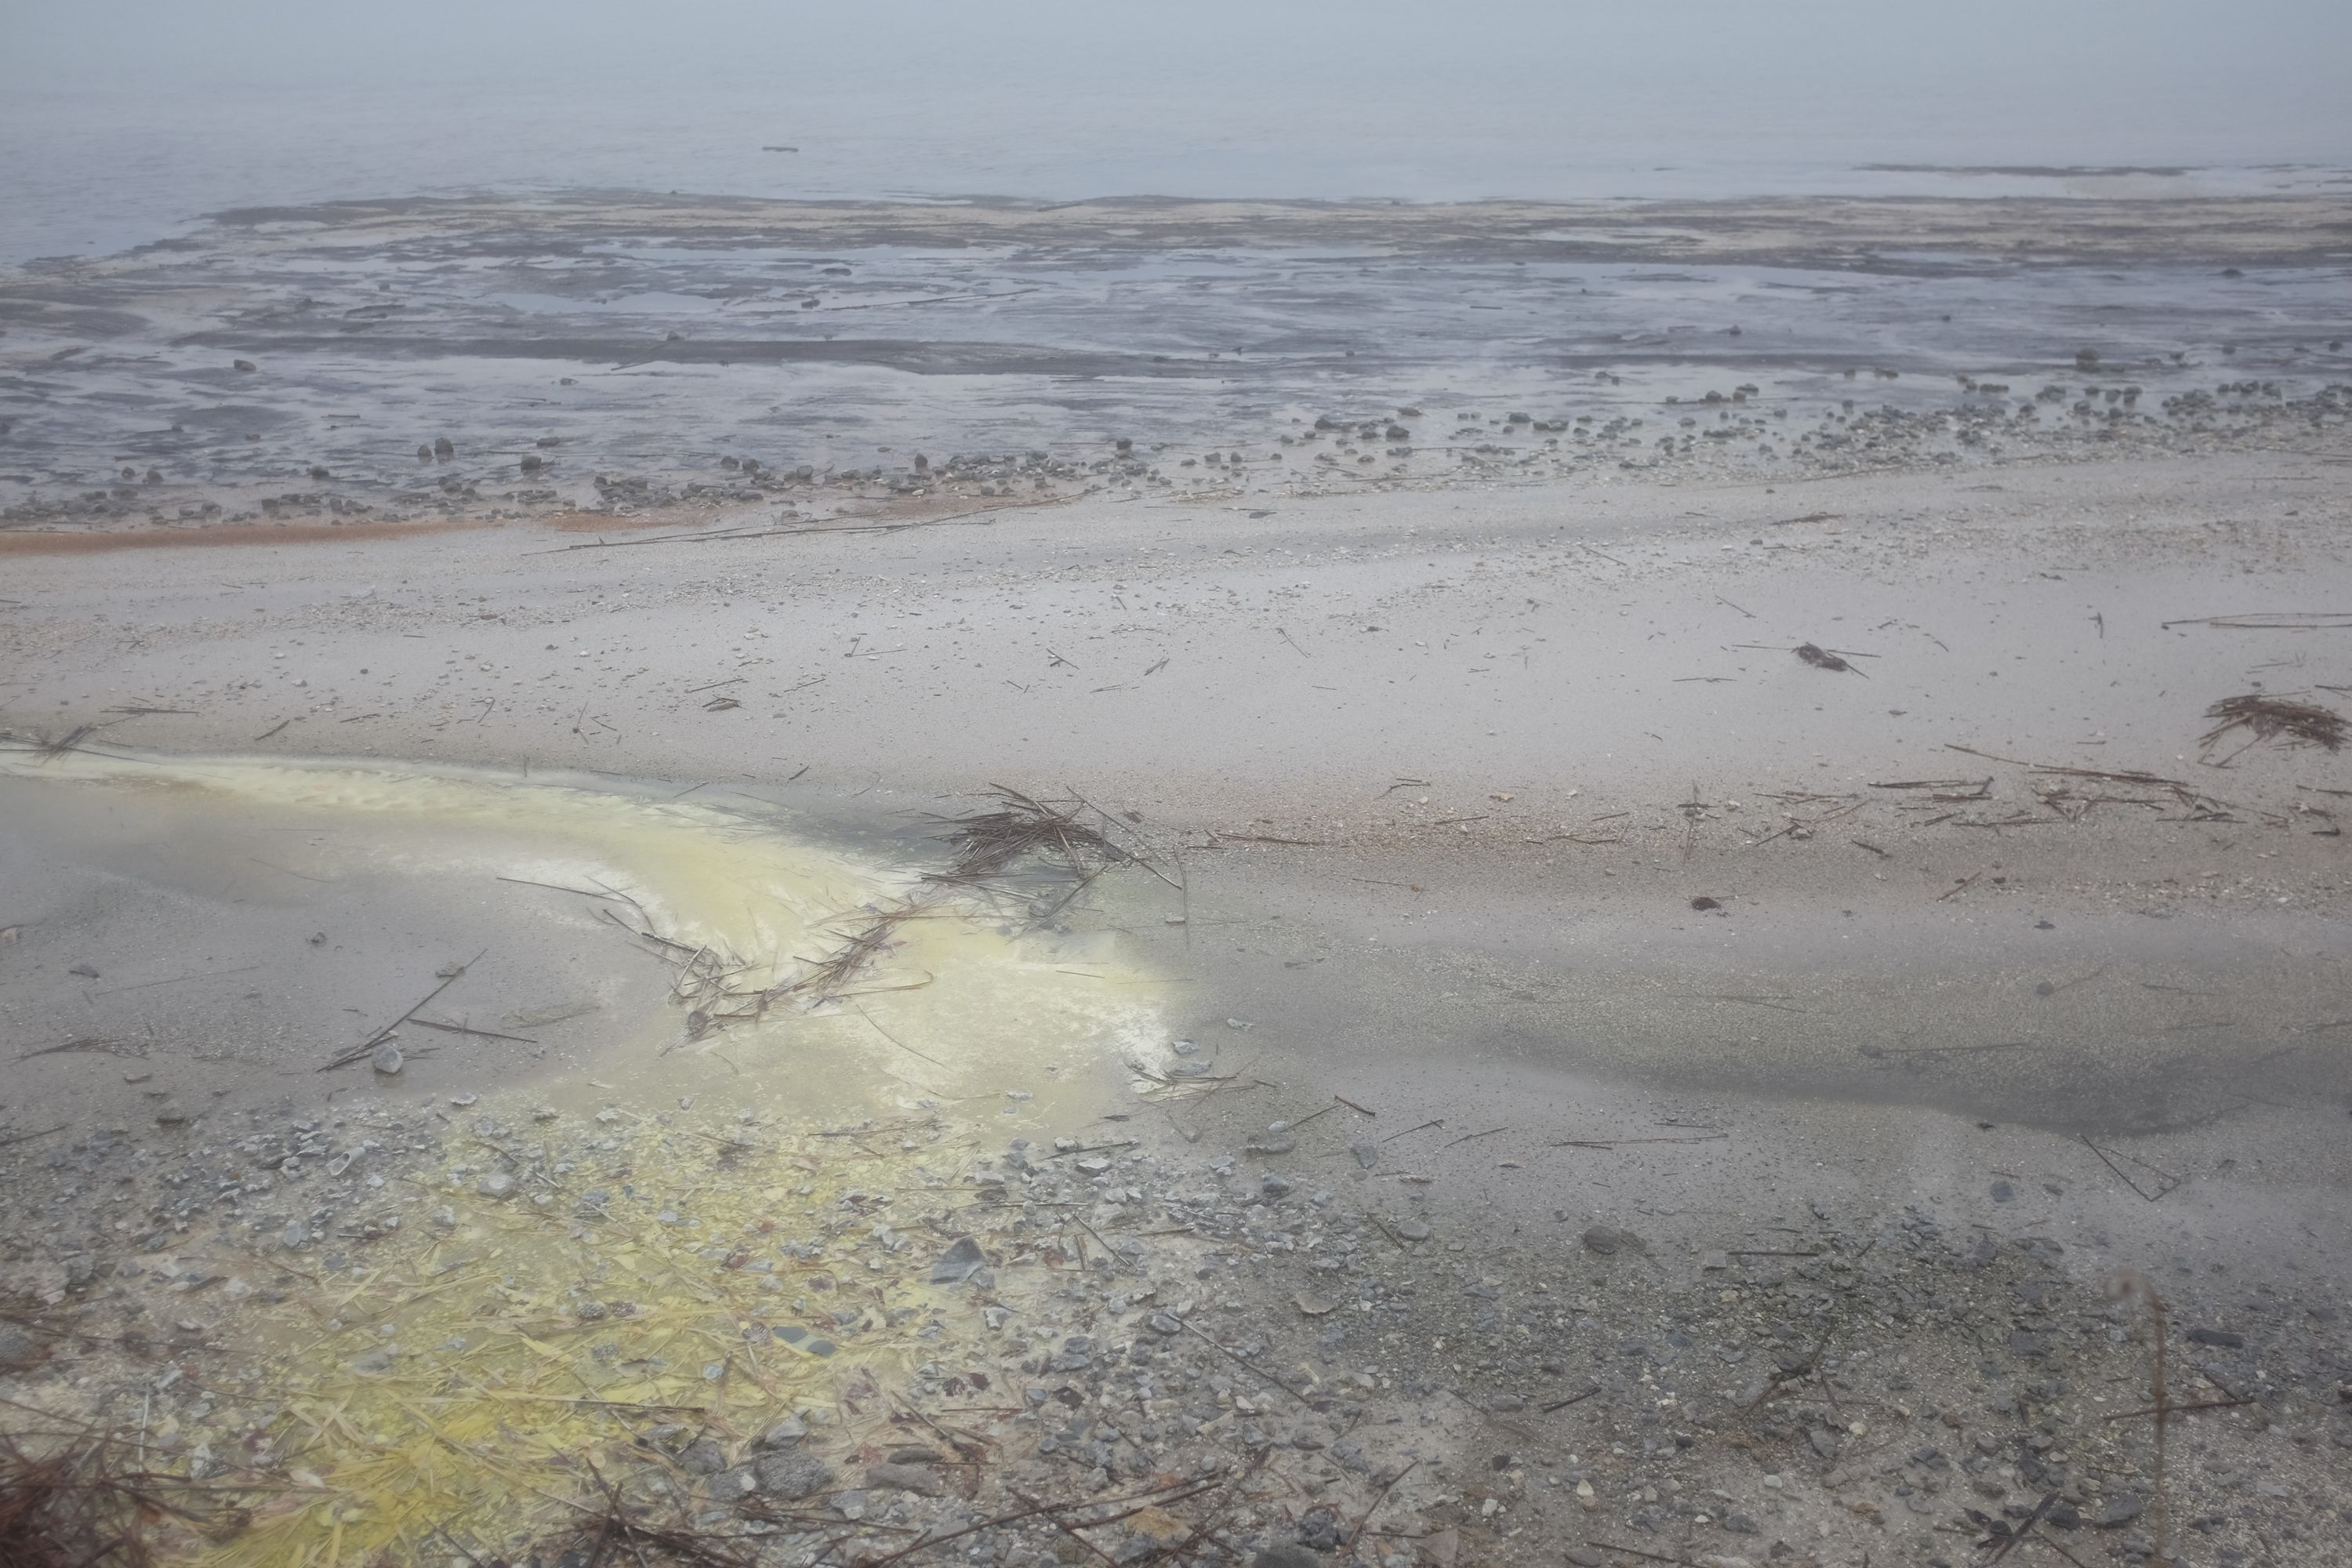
[1512,735]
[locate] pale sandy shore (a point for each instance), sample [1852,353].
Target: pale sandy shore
[1521,729]
[1511,813]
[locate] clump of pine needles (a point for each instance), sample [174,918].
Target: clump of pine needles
[83,1501]
[991,842]
[2268,718]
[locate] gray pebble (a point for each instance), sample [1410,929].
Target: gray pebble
[917,1478]
[18,1348]
[793,1475]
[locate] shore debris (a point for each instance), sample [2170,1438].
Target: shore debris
[2268,718]
[1822,658]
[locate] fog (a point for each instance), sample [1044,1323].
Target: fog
[2167,79]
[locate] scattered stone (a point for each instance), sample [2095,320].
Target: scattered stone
[785,1433]
[19,1348]
[793,1475]
[959,1262]
[917,1479]
[1607,1241]
[1411,1229]
[2117,1511]
[1287,1555]
[496,1184]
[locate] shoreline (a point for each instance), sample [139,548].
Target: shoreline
[1660,1094]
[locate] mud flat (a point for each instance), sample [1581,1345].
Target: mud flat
[398,363]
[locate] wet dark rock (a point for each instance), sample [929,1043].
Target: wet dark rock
[1285,1555]
[1607,1241]
[703,1456]
[2219,1338]
[917,1479]
[444,449]
[242,364]
[793,1475]
[19,1348]
[959,1262]
[2117,1511]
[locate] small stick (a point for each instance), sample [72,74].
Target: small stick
[462,1029]
[1571,1399]
[2170,1410]
[1636,1551]
[1410,1131]
[1353,1106]
[1348,1545]
[1238,1362]
[554,887]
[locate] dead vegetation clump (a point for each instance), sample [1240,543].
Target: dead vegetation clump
[988,848]
[2268,718]
[84,1501]
[990,843]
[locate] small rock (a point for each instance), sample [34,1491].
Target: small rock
[1287,1555]
[242,364]
[1607,1241]
[2002,1191]
[959,1262]
[917,1479]
[785,1433]
[793,1475]
[1368,1155]
[2117,1511]
[703,1456]
[2219,1338]
[1411,1229]
[386,1059]
[496,1184]
[18,1348]
[296,1235]
[1824,1441]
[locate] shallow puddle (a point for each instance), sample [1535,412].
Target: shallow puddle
[803,975]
